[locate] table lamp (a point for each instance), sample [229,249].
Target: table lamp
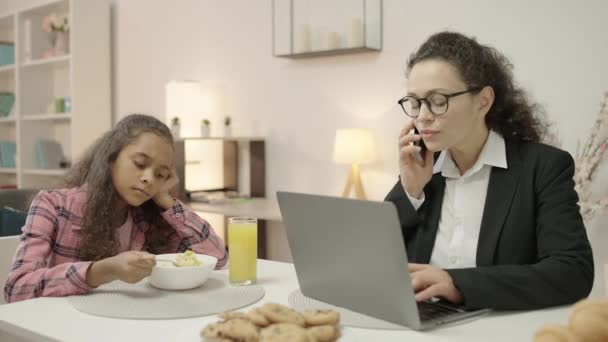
[353,147]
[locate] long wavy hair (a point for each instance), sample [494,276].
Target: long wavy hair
[99,239]
[512,114]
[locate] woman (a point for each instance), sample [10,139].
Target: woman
[495,221]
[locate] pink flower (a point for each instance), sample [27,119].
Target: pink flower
[602,148]
[47,23]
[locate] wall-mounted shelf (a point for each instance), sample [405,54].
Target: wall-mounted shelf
[314,28]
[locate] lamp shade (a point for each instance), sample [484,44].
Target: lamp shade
[353,146]
[184,101]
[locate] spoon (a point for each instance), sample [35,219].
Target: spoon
[167,260]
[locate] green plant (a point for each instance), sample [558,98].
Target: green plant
[227,121]
[55,23]
[206,122]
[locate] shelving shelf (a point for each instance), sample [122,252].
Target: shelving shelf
[59,60]
[43,76]
[47,117]
[4,69]
[9,119]
[45,172]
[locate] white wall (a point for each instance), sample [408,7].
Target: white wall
[559,50]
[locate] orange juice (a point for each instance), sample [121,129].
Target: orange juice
[243,250]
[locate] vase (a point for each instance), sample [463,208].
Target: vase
[175,130]
[62,43]
[205,130]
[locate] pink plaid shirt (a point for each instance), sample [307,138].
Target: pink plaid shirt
[46,262]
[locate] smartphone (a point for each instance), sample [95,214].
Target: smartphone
[420,143]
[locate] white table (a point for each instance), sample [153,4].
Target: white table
[264,209]
[261,208]
[57,319]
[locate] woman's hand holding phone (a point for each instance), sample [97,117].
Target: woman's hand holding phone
[415,161]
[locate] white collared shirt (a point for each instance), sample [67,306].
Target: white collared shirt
[463,204]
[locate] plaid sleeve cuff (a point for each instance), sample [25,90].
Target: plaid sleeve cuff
[176,212]
[77,275]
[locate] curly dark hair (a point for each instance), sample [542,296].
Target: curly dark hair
[99,238]
[512,114]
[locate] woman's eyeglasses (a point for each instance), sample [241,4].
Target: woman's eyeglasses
[437,103]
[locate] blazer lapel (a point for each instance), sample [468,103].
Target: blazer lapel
[432,212]
[501,190]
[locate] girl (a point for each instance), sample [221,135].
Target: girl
[495,221]
[114,214]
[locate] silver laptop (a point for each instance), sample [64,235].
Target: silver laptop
[350,253]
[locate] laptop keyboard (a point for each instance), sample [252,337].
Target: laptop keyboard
[429,311]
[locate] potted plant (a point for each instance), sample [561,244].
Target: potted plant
[205,128]
[175,128]
[58,29]
[227,127]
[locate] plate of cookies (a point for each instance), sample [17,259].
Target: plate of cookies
[275,322]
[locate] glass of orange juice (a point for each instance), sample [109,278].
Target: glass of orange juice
[243,250]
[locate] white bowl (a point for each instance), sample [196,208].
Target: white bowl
[181,278]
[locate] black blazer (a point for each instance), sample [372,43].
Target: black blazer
[533,250]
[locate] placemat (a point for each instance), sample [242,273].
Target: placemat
[143,301]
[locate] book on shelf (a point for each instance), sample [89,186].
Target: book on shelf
[8,152]
[49,154]
[7,102]
[7,53]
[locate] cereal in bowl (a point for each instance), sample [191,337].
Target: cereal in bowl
[188,258]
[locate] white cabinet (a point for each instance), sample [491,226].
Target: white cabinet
[62,91]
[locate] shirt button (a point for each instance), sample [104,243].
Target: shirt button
[453,260]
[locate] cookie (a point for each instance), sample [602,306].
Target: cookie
[554,333]
[321,317]
[281,332]
[234,329]
[277,313]
[212,332]
[229,315]
[324,333]
[258,318]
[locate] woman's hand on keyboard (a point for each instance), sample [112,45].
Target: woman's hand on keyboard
[430,281]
